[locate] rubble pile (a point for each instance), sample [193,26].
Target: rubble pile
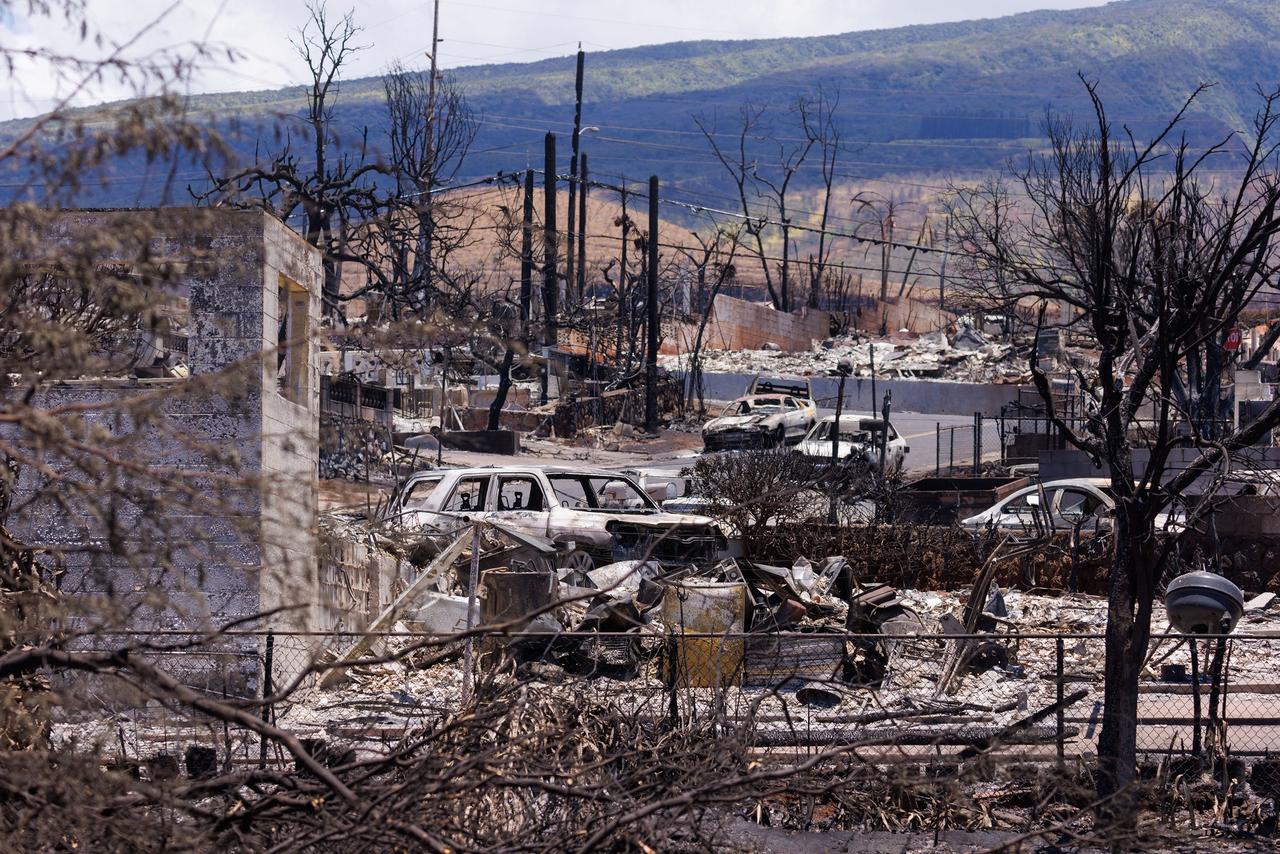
[767,646]
[968,357]
[798,679]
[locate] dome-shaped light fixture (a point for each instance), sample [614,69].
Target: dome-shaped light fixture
[1202,603]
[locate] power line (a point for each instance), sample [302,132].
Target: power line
[762,221]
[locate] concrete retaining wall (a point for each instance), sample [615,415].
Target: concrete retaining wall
[935,397]
[740,325]
[1057,465]
[894,314]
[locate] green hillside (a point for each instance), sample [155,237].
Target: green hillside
[917,101]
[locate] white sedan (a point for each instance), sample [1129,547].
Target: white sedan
[859,439]
[1062,505]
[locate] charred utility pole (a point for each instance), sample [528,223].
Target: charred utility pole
[651,304]
[569,280]
[550,287]
[583,184]
[844,368]
[526,259]
[430,118]
[622,287]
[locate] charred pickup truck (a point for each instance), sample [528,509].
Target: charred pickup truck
[773,413]
[605,515]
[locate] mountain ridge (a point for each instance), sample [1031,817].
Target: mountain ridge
[926,100]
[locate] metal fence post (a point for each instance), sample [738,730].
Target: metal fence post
[951,461]
[468,660]
[267,690]
[977,442]
[1061,716]
[937,461]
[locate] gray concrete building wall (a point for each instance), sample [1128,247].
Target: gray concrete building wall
[219,519]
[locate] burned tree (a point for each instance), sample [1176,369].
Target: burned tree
[713,261]
[327,186]
[765,184]
[1132,243]
[410,232]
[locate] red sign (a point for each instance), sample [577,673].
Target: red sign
[1233,340]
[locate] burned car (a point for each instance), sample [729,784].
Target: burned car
[1086,503]
[606,516]
[860,442]
[773,413]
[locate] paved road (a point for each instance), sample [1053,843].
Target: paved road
[919,429]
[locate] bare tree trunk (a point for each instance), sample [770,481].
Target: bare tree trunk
[504,385]
[1128,635]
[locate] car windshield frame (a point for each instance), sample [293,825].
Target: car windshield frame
[755,406]
[822,433]
[592,486]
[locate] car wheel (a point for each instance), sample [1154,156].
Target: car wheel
[574,565]
[780,437]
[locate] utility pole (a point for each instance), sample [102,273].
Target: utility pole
[844,367]
[428,197]
[431,84]
[582,226]
[582,290]
[550,287]
[569,279]
[622,286]
[651,346]
[526,260]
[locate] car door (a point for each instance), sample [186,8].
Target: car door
[470,497]
[419,503]
[521,502]
[1022,512]
[1075,505]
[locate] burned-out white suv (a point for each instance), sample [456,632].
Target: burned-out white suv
[605,515]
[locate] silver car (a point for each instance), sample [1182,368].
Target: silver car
[605,515]
[1086,502]
[758,422]
[774,412]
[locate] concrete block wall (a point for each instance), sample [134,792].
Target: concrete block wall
[218,521]
[896,313]
[356,582]
[290,438]
[740,325]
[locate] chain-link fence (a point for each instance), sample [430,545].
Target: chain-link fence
[1023,696]
[967,448]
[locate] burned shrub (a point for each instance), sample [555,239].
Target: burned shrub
[751,490]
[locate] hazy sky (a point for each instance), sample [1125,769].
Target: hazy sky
[473,32]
